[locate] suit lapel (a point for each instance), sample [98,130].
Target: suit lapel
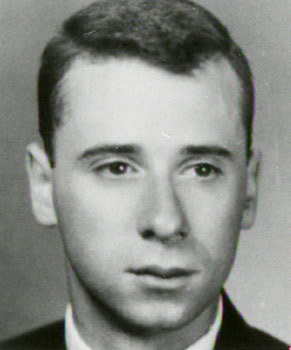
[233,329]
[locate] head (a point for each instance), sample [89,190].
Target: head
[177,36]
[145,113]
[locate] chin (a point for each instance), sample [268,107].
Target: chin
[156,318]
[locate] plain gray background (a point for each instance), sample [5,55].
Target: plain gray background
[32,289]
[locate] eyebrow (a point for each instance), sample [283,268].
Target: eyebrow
[132,149]
[207,151]
[114,149]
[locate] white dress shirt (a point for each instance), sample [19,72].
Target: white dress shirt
[74,340]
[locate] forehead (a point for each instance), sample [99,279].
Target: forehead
[129,101]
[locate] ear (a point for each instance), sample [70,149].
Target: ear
[253,172]
[40,181]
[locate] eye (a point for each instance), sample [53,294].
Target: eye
[206,170]
[202,170]
[117,168]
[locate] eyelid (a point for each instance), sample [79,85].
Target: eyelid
[196,160]
[109,159]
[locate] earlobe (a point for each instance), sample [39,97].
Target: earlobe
[253,173]
[40,183]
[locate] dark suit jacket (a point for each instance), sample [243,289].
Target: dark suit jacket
[234,334]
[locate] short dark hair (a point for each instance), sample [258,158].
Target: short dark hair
[176,35]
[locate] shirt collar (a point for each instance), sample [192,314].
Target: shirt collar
[74,340]
[207,342]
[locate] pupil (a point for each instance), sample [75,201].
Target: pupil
[118,168]
[203,170]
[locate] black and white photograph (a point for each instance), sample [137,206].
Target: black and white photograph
[145,166]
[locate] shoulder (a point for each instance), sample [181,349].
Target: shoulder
[236,333]
[47,337]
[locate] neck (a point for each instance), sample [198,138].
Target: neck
[101,331]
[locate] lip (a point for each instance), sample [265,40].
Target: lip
[162,273]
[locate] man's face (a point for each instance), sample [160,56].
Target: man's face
[150,186]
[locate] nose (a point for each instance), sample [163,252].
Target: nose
[163,216]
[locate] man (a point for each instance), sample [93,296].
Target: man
[146,166]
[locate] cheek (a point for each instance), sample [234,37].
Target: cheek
[95,219]
[215,219]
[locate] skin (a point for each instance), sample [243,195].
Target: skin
[150,171]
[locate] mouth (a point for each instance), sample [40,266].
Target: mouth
[162,273]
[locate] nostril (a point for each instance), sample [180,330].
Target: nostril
[173,238]
[182,234]
[148,234]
